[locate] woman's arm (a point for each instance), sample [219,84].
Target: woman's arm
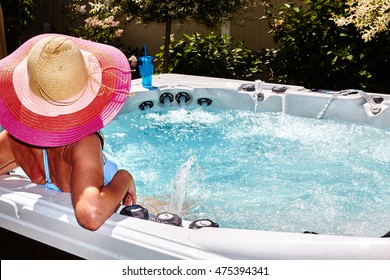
[94,203]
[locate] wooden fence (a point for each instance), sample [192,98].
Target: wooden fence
[49,16]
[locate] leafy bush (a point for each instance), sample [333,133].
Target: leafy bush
[314,52]
[102,21]
[210,13]
[211,55]
[369,16]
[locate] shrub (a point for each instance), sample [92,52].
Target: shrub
[211,55]
[103,21]
[314,52]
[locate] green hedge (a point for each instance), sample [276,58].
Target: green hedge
[211,55]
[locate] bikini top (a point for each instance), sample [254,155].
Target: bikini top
[109,170]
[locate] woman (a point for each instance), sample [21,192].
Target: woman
[56,93]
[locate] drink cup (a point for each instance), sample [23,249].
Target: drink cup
[146,69]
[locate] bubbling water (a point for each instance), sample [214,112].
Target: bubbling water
[265,171]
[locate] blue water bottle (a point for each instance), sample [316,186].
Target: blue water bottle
[146,69]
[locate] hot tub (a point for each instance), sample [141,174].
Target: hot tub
[48,216]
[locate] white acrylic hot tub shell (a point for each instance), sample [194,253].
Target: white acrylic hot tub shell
[227,94]
[47,216]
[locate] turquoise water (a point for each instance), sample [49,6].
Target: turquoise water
[264,171]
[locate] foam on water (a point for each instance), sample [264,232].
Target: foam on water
[265,171]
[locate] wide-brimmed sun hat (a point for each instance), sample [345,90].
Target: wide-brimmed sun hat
[57,89]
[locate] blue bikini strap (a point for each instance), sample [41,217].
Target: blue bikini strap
[46,165]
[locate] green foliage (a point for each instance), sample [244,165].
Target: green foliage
[158,11]
[314,52]
[207,12]
[211,55]
[17,14]
[102,21]
[369,16]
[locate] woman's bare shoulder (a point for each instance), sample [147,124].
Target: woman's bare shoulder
[87,146]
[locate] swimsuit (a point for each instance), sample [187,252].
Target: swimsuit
[49,184]
[109,170]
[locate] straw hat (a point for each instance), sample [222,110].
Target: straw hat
[57,89]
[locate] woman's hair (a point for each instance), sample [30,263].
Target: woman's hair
[100,135]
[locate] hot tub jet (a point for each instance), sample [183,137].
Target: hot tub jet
[204,102]
[166,99]
[146,105]
[182,98]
